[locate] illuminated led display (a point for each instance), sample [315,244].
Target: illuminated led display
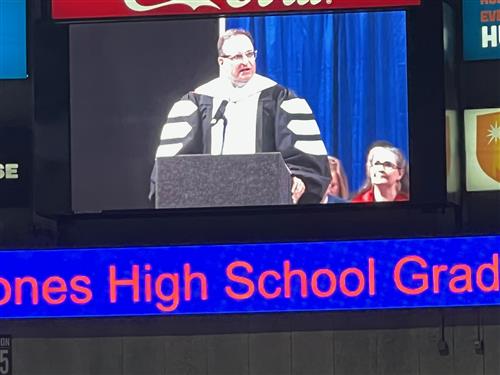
[250,278]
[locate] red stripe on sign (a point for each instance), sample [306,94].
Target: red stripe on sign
[91,9]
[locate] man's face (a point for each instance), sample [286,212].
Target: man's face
[238,60]
[384,168]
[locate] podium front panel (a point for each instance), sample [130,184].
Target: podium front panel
[186,181]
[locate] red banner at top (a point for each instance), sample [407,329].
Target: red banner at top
[90,9]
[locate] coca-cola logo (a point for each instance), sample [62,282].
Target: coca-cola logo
[136,6]
[85,9]
[193,4]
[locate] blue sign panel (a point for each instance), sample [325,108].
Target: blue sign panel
[481,27]
[12,39]
[250,278]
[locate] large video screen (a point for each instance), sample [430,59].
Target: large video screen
[244,111]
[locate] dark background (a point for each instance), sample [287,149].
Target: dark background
[124,78]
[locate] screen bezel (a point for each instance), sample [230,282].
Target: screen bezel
[426,145]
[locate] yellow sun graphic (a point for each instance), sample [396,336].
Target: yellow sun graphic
[494,133]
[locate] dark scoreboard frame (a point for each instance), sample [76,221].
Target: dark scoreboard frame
[426,115]
[428,213]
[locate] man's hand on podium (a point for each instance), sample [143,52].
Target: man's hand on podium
[298,188]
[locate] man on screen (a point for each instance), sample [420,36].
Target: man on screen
[242,112]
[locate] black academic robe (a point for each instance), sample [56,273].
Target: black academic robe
[262,116]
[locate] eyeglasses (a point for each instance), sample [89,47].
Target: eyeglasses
[386,165]
[239,57]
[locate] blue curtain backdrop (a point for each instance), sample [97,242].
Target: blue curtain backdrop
[351,68]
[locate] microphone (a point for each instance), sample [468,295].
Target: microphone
[219,114]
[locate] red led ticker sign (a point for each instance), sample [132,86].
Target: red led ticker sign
[90,9]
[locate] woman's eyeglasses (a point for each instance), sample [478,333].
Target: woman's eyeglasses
[386,165]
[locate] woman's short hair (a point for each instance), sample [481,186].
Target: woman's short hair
[402,164]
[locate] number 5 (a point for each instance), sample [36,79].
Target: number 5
[4,362]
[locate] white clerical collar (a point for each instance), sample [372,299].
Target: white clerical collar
[223,88]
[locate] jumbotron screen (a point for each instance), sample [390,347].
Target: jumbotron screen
[243,111]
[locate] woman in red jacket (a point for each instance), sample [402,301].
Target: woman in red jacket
[386,175]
